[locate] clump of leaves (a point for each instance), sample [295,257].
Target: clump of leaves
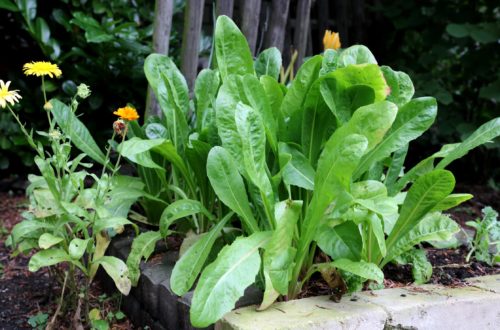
[38,321]
[486,243]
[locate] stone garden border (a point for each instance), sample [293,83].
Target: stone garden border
[473,306]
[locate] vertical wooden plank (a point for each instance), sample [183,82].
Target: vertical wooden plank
[301,29]
[275,35]
[193,18]
[250,22]
[224,7]
[164,10]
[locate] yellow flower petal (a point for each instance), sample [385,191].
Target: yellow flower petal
[127,113]
[42,69]
[331,40]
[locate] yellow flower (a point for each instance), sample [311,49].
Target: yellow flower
[42,69]
[8,96]
[127,113]
[331,40]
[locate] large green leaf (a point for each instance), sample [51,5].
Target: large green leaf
[316,119]
[231,49]
[8,5]
[412,120]
[27,227]
[424,166]
[427,192]
[223,282]
[142,247]
[47,240]
[77,247]
[274,94]
[364,269]
[118,272]
[296,169]
[483,134]
[229,186]
[451,201]
[292,104]
[269,63]
[76,130]
[114,222]
[51,257]
[205,91]
[335,167]
[253,146]
[189,266]
[341,242]
[180,209]
[172,93]
[433,227]
[357,54]
[401,86]
[346,89]
[279,253]
[247,90]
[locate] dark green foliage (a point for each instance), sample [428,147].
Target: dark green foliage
[451,51]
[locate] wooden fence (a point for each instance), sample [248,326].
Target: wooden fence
[288,25]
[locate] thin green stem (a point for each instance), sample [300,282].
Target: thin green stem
[25,132]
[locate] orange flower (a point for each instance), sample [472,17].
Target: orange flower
[127,113]
[331,40]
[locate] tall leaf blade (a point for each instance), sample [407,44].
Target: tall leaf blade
[483,134]
[142,247]
[412,120]
[433,227]
[231,49]
[223,282]
[229,186]
[187,269]
[291,107]
[279,253]
[427,192]
[268,63]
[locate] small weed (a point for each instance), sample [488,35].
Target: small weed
[38,321]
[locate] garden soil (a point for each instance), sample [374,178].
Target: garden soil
[24,294]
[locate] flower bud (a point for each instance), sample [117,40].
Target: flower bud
[47,106]
[83,91]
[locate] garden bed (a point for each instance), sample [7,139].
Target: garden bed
[153,304]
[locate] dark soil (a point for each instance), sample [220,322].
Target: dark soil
[24,294]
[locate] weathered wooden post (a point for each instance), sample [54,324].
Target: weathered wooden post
[193,18]
[224,7]
[161,39]
[250,22]
[275,35]
[301,29]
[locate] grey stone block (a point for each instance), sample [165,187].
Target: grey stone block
[149,286]
[167,305]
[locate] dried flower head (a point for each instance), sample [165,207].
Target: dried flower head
[331,40]
[127,113]
[119,127]
[11,97]
[42,68]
